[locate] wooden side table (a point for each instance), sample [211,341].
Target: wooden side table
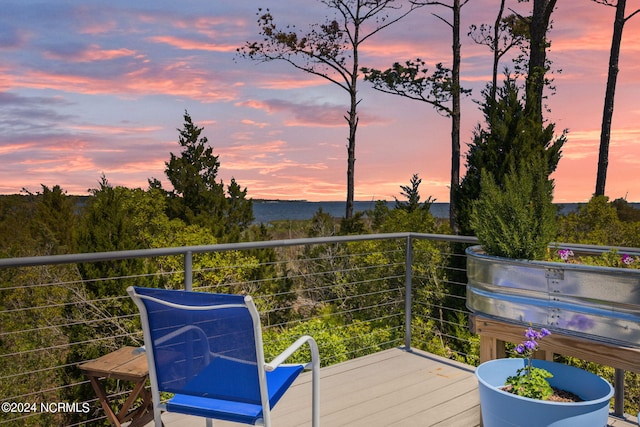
[126,364]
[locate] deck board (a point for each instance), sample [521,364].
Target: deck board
[389,388]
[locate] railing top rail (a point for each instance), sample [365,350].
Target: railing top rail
[182,250]
[156,252]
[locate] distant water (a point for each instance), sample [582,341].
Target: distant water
[295,210]
[267,211]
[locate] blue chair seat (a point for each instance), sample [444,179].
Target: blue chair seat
[278,381]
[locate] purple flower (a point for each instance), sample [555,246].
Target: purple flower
[564,254]
[530,343]
[627,259]
[530,334]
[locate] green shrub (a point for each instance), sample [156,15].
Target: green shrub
[517,220]
[335,343]
[600,222]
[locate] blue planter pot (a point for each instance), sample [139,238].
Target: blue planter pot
[501,409]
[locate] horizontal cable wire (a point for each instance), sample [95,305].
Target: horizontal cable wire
[333,276]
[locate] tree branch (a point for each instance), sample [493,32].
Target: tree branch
[443,20]
[605,2]
[632,15]
[393,21]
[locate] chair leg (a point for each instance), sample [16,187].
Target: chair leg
[315,383]
[157,416]
[209,422]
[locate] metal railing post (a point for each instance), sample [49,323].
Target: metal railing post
[408,278]
[618,397]
[188,271]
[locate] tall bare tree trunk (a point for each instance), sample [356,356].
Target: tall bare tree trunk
[353,118]
[495,47]
[540,19]
[329,51]
[455,120]
[351,149]
[607,114]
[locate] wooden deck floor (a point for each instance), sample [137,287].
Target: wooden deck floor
[390,388]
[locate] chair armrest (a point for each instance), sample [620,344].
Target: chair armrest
[315,354]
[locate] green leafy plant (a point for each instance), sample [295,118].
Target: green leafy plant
[517,219]
[530,381]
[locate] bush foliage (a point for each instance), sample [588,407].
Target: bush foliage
[518,219]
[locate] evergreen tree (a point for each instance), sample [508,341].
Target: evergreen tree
[115,219]
[321,225]
[626,212]
[509,139]
[379,214]
[197,197]
[239,211]
[413,196]
[538,64]
[516,219]
[33,299]
[55,212]
[38,223]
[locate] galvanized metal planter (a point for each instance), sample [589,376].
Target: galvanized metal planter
[599,303]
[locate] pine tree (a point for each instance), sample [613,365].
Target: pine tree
[412,194]
[509,139]
[198,198]
[239,211]
[55,212]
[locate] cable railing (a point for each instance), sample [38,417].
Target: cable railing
[357,294]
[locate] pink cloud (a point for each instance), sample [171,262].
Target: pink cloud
[11,148]
[113,130]
[175,80]
[260,125]
[308,114]
[61,163]
[187,44]
[90,53]
[96,28]
[265,158]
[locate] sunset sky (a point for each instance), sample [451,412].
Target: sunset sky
[92,87]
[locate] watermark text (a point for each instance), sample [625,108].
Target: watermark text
[45,407]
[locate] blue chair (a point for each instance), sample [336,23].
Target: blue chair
[206,349]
